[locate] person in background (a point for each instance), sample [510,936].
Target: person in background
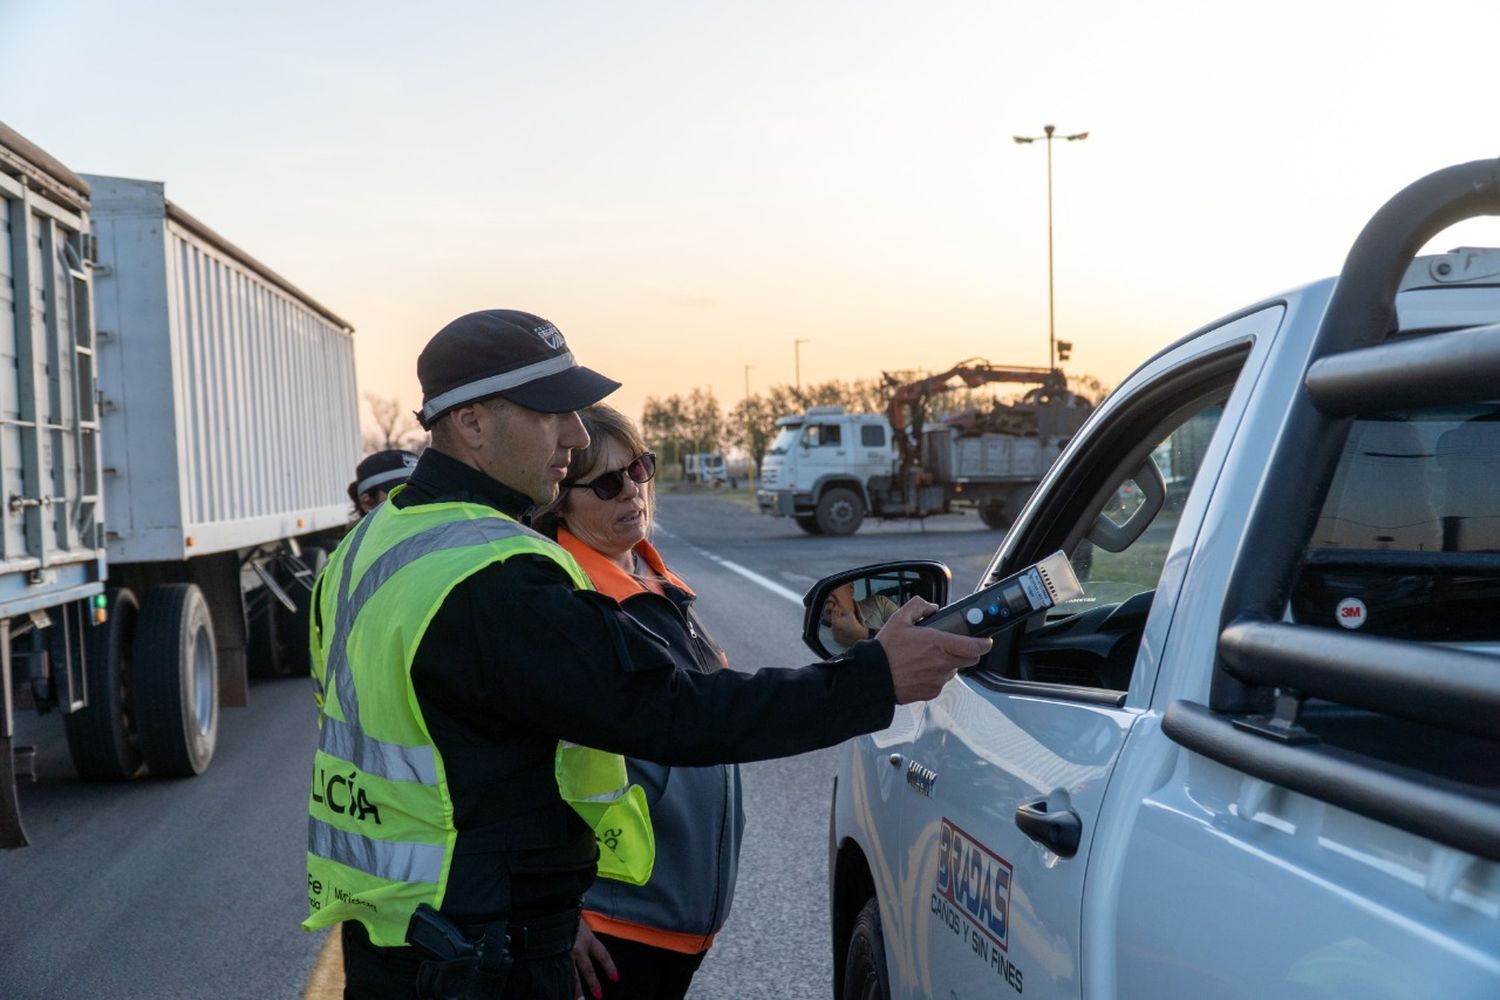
[656,935]
[378,474]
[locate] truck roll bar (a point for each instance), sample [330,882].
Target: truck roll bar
[1361,314]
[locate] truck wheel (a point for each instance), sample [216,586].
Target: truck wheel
[840,512]
[865,977]
[809,524]
[176,681]
[295,626]
[101,737]
[994,515]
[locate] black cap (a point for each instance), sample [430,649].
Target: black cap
[504,352]
[382,470]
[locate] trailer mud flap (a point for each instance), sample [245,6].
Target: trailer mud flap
[12,833]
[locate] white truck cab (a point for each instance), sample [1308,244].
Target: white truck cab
[1256,757]
[818,464]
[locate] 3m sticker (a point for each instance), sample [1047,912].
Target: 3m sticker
[1351,613]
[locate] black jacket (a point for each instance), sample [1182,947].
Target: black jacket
[516,659]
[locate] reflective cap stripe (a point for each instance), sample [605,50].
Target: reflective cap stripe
[497,383]
[381,478]
[393,761]
[392,860]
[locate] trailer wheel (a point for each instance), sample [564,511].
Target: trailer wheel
[995,515]
[840,512]
[865,976]
[102,736]
[809,524]
[295,626]
[176,681]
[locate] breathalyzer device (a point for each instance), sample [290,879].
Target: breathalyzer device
[1011,601]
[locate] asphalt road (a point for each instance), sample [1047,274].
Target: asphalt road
[193,888]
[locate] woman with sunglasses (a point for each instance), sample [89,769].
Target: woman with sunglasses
[647,941]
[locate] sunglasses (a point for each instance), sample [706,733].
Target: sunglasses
[607,486]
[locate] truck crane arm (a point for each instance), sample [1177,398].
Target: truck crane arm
[907,403]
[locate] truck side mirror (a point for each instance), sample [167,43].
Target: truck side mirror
[848,607]
[1131,510]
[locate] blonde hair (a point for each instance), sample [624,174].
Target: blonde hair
[604,424]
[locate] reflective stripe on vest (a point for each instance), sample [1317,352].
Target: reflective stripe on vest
[381,832]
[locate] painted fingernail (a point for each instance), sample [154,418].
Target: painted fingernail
[614,977]
[598,993]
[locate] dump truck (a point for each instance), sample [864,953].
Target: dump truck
[177,423]
[828,469]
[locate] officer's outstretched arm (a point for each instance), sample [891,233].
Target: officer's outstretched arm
[923,660]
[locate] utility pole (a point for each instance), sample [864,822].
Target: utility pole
[749,433]
[797,352]
[1047,135]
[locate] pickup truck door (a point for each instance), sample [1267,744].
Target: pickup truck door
[1007,768]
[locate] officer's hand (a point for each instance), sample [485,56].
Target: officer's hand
[587,950]
[923,659]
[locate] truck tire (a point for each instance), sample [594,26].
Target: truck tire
[102,737]
[840,512]
[176,681]
[809,524]
[295,626]
[995,515]
[865,977]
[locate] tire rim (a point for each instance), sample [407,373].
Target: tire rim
[203,687]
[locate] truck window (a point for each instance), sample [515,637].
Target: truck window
[821,435]
[871,436]
[1115,508]
[1112,577]
[1408,541]
[785,438]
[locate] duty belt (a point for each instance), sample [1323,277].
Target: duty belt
[474,961]
[539,937]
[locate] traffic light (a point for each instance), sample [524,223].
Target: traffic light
[1064,348]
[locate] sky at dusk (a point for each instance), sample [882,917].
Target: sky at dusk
[686,189]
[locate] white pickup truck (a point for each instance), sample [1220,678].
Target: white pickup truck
[1257,757]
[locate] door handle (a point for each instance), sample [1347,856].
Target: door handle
[1059,832]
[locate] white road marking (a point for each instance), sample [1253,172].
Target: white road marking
[734,567]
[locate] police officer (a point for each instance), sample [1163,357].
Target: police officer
[476,693]
[376,475]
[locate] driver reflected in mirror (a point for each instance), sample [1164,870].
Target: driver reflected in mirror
[847,620]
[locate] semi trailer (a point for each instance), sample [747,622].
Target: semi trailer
[177,425]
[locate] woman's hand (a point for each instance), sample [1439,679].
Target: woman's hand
[588,950]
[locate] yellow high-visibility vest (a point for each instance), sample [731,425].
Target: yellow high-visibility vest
[381,833]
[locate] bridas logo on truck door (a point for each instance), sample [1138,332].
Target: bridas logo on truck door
[972,898]
[975,880]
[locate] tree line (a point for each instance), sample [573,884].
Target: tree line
[677,425]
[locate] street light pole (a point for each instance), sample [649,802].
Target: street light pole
[797,353]
[749,432]
[1048,131]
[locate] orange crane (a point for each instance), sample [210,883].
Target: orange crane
[908,399]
